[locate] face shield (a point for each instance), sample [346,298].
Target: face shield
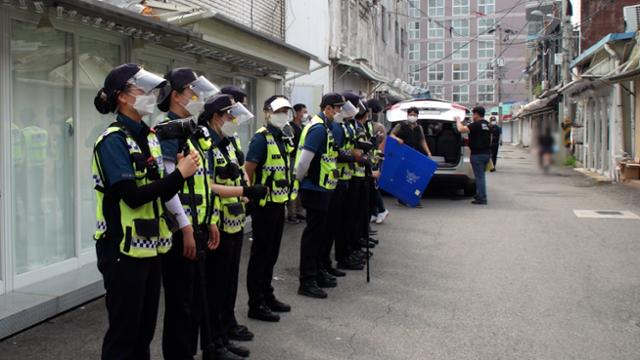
[240,113]
[348,110]
[145,81]
[203,88]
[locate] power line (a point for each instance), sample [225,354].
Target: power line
[472,39]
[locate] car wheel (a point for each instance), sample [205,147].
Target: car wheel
[470,188]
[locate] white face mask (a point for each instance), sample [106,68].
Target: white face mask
[194,107]
[279,120]
[145,104]
[339,117]
[412,119]
[305,119]
[229,128]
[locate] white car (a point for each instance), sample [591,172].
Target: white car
[448,147]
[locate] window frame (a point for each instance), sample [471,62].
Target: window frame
[456,29]
[458,54]
[483,4]
[435,70]
[460,72]
[453,93]
[456,9]
[437,10]
[488,70]
[437,28]
[441,50]
[483,50]
[486,93]
[414,51]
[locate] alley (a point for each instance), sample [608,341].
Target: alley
[523,278]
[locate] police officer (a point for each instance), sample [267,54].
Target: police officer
[131,230]
[223,116]
[268,163]
[316,169]
[496,141]
[338,231]
[183,99]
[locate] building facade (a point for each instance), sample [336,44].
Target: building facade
[601,18]
[361,46]
[468,51]
[53,60]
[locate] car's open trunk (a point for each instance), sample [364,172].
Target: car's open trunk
[444,141]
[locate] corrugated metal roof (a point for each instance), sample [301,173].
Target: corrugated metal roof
[260,15]
[587,54]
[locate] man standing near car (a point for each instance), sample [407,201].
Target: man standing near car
[411,133]
[480,144]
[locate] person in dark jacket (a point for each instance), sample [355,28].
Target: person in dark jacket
[496,140]
[480,145]
[411,133]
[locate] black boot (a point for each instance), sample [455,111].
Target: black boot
[222,353]
[335,272]
[240,333]
[264,313]
[278,306]
[238,350]
[312,290]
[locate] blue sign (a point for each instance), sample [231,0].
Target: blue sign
[405,172]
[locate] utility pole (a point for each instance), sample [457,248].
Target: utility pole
[498,76]
[566,117]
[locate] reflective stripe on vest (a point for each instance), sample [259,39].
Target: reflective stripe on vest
[328,177]
[200,184]
[230,223]
[346,169]
[17,150]
[276,168]
[145,234]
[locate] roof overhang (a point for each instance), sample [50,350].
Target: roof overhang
[589,53]
[364,70]
[226,35]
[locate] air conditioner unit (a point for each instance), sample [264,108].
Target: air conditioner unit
[631,17]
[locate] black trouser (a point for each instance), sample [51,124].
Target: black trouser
[337,228]
[372,198]
[133,293]
[359,208]
[494,154]
[182,301]
[316,203]
[268,224]
[222,264]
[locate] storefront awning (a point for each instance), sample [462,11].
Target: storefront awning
[630,69]
[536,106]
[364,70]
[576,86]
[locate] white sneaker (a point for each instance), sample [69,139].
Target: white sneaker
[382,217]
[373,218]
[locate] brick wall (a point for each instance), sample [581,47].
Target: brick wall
[602,17]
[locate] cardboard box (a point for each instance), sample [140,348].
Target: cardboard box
[630,171]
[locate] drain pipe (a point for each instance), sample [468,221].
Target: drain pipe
[617,153]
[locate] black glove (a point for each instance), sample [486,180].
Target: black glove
[254,192]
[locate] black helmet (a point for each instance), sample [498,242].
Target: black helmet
[214,105]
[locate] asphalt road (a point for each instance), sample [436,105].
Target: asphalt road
[522,278]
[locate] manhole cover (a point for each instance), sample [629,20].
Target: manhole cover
[606,214]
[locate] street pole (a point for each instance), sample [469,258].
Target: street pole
[498,76]
[566,118]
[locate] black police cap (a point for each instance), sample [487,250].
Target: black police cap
[238,94]
[117,79]
[333,99]
[215,104]
[179,78]
[374,105]
[352,97]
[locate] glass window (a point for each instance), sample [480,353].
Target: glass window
[435,51]
[414,73]
[485,93]
[484,25]
[486,6]
[96,59]
[461,93]
[436,72]
[460,7]
[436,30]
[460,27]
[414,30]
[414,51]
[485,49]
[42,147]
[485,71]
[460,50]
[460,72]
[414,8]
[437,91]
[436,7]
